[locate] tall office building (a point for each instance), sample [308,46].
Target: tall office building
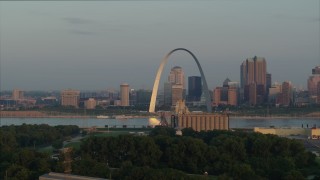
[194,88]
[254,71]
[17,94]
[70,98]
[177,81]
[318,99]
[91,103]
[252,94]
[313,81]
[274,91]
[167,94]
[268,83]
[176,76]
[124,94]
[177,91]
[316,70]
[216,96]
[286,96]
[226,95]
[233,96]
[143,97]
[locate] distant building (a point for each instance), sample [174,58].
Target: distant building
[301,98]
[254,71]
[203,121]
[167,94]
[252,94]
[177,93]
[316,70]
[313,83]
[177,80]
[318,94]
[217,95]
[50,101]
[176,76]
[132,97]
[124,94]
[226,95]
[143,97]
[194,88]
[274,91]
[285,98]
[313,133]
[233,96]
[70,98]
[91,103]
[17,94]
[268,83]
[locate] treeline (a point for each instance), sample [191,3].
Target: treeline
[224,154]
[35,135]
[18,158]
[161,155]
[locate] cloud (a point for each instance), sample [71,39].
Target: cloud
[301,18]
[81,32]
[73,20]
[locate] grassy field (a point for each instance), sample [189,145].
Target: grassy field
[74,145]
[47,149]
[318,160]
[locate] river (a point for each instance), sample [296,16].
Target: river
[235,122]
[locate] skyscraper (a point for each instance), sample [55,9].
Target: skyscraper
[17,94]
[70,97]
[176,76]
[194,88]
[228,94]
[252,94]
[313,81]
[143,97]
[177,81]
[91,103]
[216,96]
[253,71]
[268,83]
[167,94]
[124,94]
[316,70]
[177,92]
[274,91]
[286,96]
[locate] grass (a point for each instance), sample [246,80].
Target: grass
[110,133]
[47,149]
[318,160]
[73,145]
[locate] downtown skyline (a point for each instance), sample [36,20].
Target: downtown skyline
[45,46]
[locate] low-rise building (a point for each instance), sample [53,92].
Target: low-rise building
[313,133]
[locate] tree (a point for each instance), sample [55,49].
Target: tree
[58,144]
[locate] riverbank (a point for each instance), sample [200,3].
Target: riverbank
[274,117]
[38,114]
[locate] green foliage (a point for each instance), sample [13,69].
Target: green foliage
[58,144]
[162,155]
[228,155]
[17,154]
[164,131]
[90,167]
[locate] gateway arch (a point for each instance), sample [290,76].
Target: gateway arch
[158,76]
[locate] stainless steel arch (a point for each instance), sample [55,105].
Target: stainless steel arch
[158,76]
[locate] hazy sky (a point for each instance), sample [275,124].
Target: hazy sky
[85,45]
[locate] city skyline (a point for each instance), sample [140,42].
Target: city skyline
[45,49]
